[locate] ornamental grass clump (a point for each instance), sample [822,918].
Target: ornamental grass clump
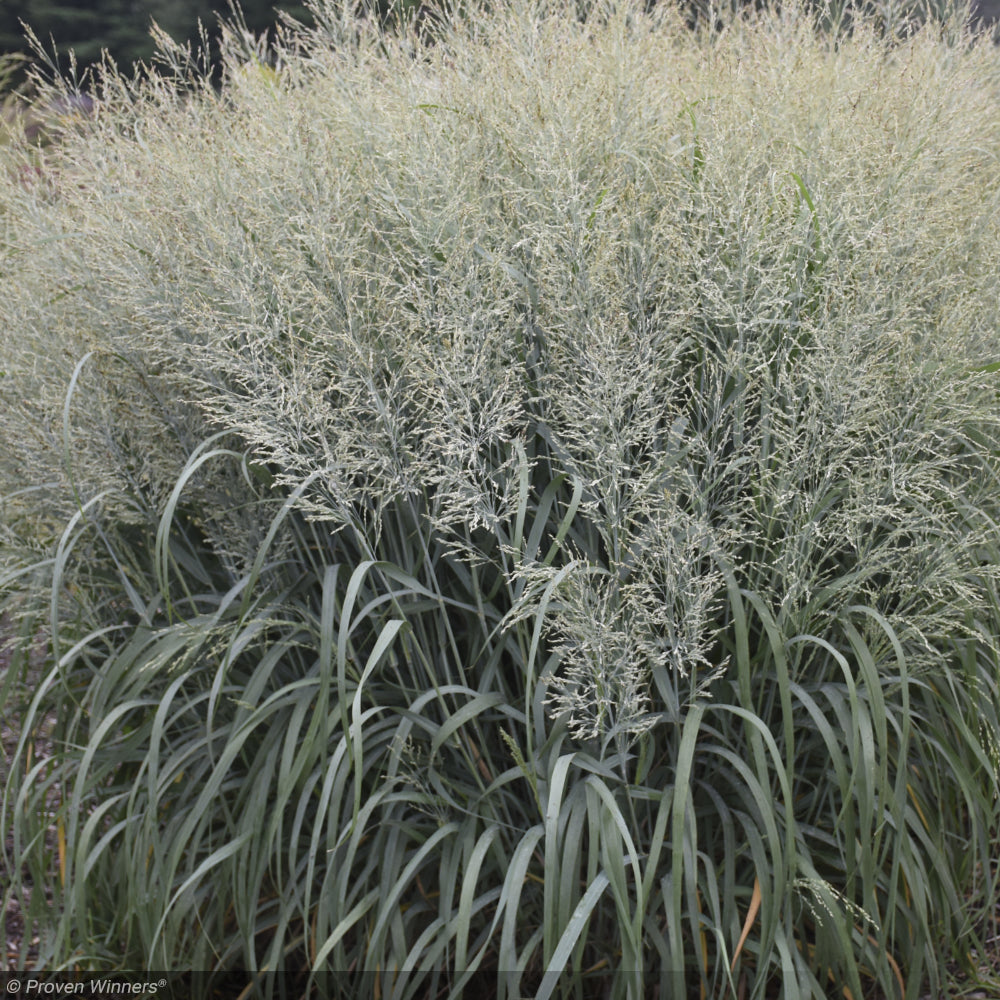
[513,497]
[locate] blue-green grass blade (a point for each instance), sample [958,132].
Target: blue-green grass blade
[556,963]
[510,902]
[467,896]
[215,858]
[681,825]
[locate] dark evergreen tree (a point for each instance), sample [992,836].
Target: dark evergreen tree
[122,27]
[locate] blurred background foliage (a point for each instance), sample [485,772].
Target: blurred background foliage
[86,28]
[122,27]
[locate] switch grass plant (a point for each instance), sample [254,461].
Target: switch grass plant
[517,498]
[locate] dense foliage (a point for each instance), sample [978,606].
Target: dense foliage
[121,27]
[524,501]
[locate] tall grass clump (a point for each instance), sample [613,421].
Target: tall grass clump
[516,497]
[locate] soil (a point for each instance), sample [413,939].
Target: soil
[13,918]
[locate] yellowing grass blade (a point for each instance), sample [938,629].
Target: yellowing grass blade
[748,923]
[61,843]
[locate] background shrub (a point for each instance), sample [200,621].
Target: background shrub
[120,29]
[519,501]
